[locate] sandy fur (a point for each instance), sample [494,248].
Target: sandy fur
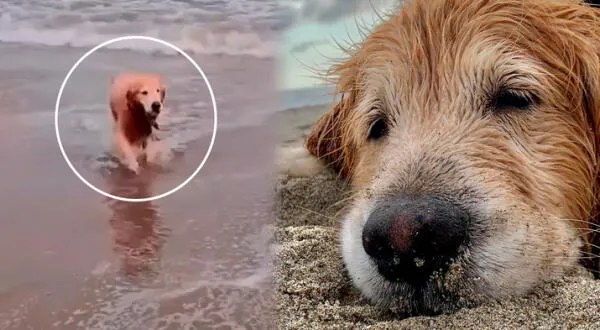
[431,71]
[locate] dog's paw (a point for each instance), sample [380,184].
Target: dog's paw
[298,162]
[134,167]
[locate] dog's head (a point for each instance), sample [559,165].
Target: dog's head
[147,93]
[470,131]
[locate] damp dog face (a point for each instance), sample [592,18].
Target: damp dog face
[150,94]
[469,132]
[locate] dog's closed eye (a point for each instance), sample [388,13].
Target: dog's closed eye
[144,92]
[512,99]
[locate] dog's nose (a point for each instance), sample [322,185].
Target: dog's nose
[156,107]
[409,238]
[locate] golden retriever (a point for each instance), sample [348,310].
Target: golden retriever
[136,100]
[470,133]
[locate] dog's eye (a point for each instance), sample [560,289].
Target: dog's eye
[378,129]
[145,93]
[158,90]
[513,99]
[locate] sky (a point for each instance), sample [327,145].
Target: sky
[314,27]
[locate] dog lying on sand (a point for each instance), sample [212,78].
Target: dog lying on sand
[470,133]
[136,100]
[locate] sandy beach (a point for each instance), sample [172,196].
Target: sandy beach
[313,292]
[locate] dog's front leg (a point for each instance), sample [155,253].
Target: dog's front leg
[128,154]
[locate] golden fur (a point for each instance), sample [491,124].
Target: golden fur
[433,74]
[131,99]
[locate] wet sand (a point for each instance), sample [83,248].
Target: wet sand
[312,290]
[73,259]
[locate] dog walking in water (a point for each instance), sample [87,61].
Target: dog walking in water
[136,101]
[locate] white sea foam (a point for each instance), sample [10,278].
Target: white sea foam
[198,27]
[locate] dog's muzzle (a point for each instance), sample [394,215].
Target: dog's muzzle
[155,107]
[153,114]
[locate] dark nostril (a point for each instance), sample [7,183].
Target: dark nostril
[155,106]
[410,237]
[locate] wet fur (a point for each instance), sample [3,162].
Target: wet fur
[133,129]
[530,179]
[136,125]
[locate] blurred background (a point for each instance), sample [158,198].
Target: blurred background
[309,43]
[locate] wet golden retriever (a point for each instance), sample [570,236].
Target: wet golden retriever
[470,132]
[136,100]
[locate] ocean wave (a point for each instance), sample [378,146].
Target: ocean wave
[218,39]
[306,97]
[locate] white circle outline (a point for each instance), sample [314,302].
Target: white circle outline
[57,107]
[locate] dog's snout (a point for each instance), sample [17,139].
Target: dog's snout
[156,107]
[411,237]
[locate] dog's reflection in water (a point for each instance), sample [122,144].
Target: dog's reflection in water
[137,228]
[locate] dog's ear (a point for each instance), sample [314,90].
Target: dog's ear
[131,95]
[132,101]
[330,141]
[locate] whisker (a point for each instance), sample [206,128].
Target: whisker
[317,213]
[594,245]
[583,233]
[592,255]
[582,221]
